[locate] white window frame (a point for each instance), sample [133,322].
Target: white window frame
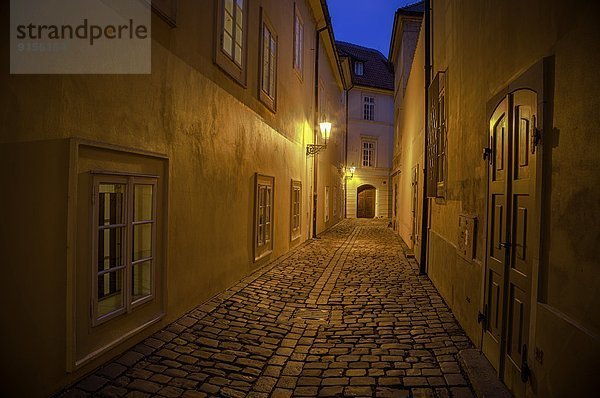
[368,154]
[264,189]
[359,68]
[226,58]
[267,87]
[368,107]
[128,224]
[296,210]
[298,61]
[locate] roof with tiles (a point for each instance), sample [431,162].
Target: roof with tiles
[415,7]
[377,72]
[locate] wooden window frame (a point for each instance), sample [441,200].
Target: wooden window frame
[128,304]
[262,246]
[295,230]
[269,99]
[298,55]
[221,58]
[368,102]
[373,150]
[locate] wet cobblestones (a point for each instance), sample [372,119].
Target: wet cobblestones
[345,315]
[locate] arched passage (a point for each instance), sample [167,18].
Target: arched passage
[365,207]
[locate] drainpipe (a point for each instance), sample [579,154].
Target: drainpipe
[346,157]
[316,130]
[425,207]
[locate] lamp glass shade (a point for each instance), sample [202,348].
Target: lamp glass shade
[325,130]
[352,169]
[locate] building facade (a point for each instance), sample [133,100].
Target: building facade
[508,139]
[370,131]
[409,126]
[135,198]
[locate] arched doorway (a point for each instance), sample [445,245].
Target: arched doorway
[365,207]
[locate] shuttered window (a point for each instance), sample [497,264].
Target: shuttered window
[437,138]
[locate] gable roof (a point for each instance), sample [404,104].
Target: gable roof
[377,71]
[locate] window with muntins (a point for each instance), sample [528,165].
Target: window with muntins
[268,75]
[296,204]
[231,27]
[263,239]
[124,239]
[369,148]
[298,43]
[368,108]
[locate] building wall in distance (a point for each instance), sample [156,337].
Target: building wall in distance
[381,130]
[409,141]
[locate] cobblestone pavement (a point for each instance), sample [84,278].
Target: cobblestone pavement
[345,315]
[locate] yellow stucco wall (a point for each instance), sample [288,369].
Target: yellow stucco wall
[484,48]
[214,133]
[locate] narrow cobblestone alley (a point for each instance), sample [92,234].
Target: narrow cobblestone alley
[344,315]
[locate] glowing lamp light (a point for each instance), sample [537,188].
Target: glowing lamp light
[325,130]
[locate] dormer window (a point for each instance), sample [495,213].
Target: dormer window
[359,68]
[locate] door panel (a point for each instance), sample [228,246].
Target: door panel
[365,202]
[510,236]
[522,191]
[496,260]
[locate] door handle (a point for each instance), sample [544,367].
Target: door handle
[505,245]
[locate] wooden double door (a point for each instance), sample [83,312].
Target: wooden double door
[365,207]
[512,236]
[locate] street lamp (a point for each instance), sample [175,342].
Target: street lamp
[352,169]
[313,149]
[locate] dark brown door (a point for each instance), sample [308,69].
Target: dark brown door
[366,202]
[511,237]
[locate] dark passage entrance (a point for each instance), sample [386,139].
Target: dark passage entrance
[366,202]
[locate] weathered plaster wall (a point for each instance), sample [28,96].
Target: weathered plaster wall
[484,48]
[380,129]
[409,143]
[216,135]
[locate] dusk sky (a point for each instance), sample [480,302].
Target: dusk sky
[366,23]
